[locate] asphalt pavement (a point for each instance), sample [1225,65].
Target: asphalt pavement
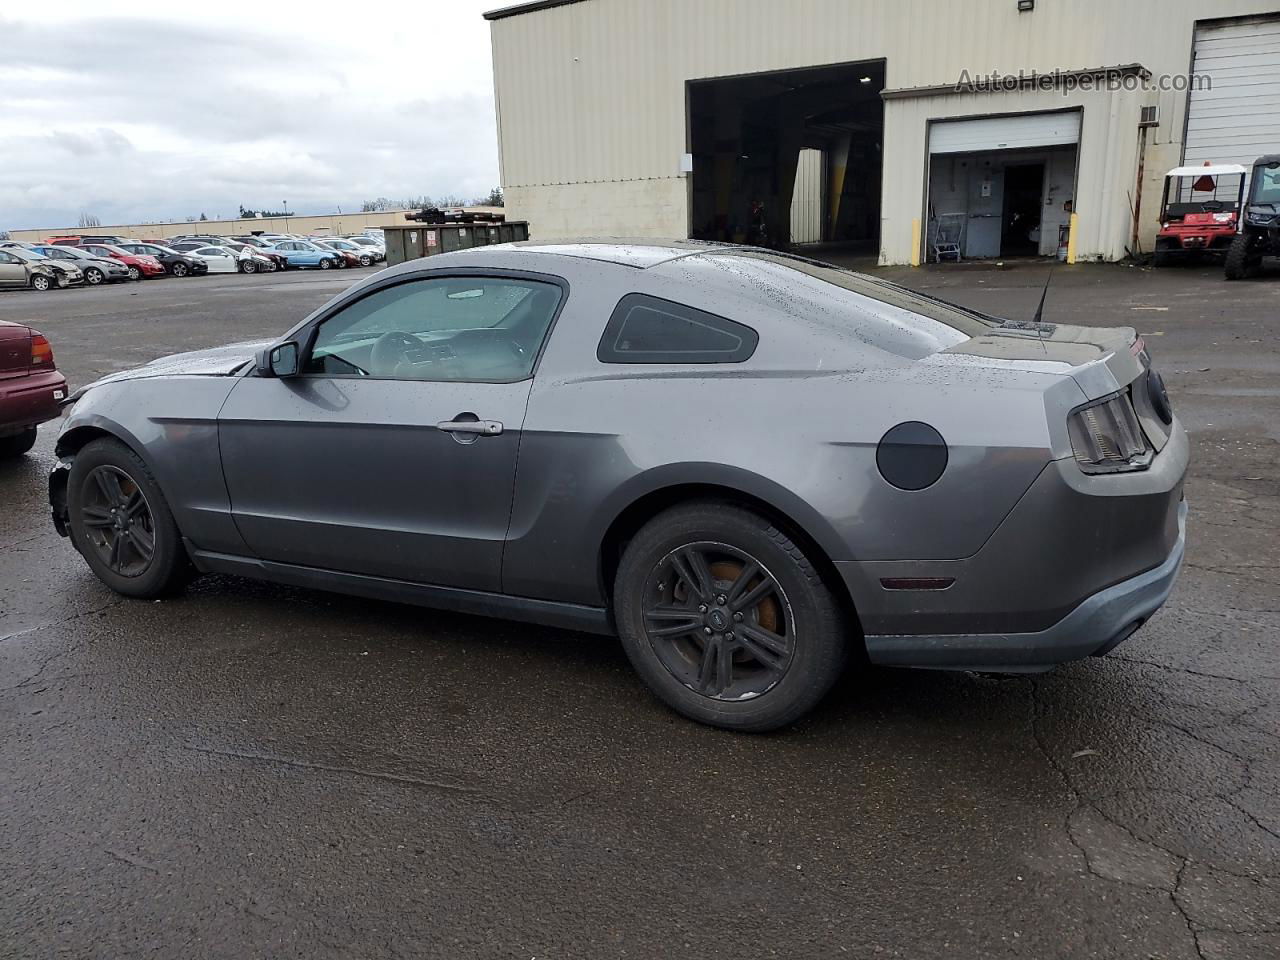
[257,771]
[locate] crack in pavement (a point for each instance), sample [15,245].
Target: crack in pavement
[440,785]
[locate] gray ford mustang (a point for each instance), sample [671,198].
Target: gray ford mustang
[746,465]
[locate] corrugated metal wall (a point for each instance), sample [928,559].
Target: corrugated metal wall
[594,92]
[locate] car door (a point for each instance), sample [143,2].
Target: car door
[12,271]
[393,452]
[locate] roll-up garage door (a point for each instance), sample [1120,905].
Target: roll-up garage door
[1005,133]
[1236,119]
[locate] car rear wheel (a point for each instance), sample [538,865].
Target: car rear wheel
[41,283]
[135,273]
[15,445]
[726,619]
[180,270]
[121,522]
[93,276]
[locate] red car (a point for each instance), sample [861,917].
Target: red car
[31,388]
[140,265]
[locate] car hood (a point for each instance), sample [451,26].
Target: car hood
[214,362]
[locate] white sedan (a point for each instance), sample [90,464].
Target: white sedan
[226,260]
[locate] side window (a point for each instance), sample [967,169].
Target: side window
[7,258]
[644,329]
[471,329]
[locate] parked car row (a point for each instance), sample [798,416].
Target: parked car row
[93,260]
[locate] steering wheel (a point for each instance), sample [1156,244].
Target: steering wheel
[389,352]
[1211,206]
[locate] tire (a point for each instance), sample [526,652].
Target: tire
[94,529]
[325,264]
[1239,264]
[248,267]
[728,679]
[366,260]
[15,445]
[41,283]
[1162,259]
[135,273]
[93,276]
[180,270]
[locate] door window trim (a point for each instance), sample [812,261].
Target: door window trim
[305,335]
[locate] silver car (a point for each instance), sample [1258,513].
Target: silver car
[747,466]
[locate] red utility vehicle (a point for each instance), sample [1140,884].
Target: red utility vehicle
[1200,212]
[31,388]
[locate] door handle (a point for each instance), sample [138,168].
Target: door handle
[479,428]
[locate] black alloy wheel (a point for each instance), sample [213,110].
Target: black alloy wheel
[726,618]
[121,523]
[118,522]
[719,621]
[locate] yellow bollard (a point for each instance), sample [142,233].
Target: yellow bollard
[1071,238]
[915,242]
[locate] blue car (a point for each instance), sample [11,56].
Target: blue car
[304,253]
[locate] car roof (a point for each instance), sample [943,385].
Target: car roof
[640,253]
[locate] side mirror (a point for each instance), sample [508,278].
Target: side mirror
[280,360]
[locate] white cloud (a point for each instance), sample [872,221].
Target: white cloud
[166,114]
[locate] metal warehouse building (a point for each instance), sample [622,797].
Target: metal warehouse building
[873,122]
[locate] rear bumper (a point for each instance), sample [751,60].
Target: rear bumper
[27,401]
[1095,627]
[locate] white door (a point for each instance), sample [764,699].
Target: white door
[1005,133]
[806,198]
[1238,119]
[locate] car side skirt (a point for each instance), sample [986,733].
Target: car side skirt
[569,616]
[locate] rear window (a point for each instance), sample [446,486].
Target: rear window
[644,329]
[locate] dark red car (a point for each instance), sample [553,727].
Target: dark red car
[31,388]
[140,265]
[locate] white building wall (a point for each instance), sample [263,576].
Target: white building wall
[594,92]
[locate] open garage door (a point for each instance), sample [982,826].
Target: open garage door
[793,150]
[1001,186]
[1235,117]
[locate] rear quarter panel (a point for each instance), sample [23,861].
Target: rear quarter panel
[796,426]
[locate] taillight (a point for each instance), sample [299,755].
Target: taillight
[41,352]
[1106,436]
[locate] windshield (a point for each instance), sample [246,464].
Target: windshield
[1266,184]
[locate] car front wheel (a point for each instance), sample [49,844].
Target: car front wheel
[93,276]
[180,270]
[40,283]
[248,266]
[726,619]
[325,264]
[121,522]
[135,273]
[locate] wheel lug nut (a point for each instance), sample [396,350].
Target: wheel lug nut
[738,617]
[722,599]
[702,608]
[707,631]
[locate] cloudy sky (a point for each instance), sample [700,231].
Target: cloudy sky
[161,111]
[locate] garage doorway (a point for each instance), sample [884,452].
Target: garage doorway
[1002,186]
[1021,214]
[794,150]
